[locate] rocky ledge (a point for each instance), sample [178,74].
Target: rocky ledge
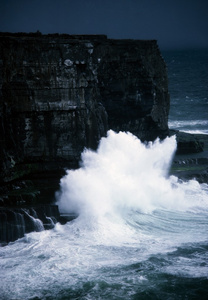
[191,158]
[15,222]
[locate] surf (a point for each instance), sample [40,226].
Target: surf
[123,174]
[122,183]
[136,225]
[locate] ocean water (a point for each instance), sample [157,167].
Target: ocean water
[140,233]
[188,88]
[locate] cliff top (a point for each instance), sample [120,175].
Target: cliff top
[38,34]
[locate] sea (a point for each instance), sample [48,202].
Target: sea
[188,88]
[140,233]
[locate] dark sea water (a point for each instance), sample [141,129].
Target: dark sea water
[140,234]
[188,87]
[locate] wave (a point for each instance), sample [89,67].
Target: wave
[136,224]
[196,131]
[190,126]
[123,172]
[123,180]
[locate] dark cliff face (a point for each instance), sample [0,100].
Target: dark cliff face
[134,88]
[60,93]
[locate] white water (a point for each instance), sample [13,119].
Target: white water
[124,175]
[190,126]
[129,211]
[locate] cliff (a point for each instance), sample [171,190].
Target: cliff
[61,93]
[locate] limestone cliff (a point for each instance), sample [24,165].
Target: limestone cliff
[61,93]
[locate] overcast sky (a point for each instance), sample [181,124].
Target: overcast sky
[174,23]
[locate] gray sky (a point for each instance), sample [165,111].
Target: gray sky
[174,23]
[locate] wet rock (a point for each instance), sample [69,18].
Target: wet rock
[15,222]
[191,158]
[187,143]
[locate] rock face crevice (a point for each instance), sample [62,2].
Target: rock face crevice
[61,93]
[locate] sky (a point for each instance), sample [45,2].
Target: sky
[173,23]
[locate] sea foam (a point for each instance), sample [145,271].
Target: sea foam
[124,174]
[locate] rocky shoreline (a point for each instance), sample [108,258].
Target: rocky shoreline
[29,204]
[62,93]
